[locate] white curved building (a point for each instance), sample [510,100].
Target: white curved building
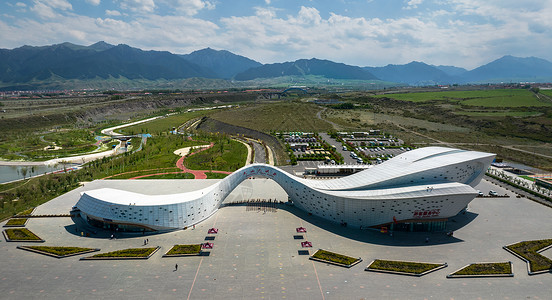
[432,183]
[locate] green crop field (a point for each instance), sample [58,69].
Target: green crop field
[546,92]
[485,98]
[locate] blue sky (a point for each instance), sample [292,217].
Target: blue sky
[465,33]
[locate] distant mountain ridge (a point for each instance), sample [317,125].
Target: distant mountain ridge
[304,67]
[69,61]
[225,64]
[511,68]
[27,65]
[413,73]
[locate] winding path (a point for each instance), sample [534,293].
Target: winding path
[198,174]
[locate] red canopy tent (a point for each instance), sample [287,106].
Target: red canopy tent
[207,246]
[306,244]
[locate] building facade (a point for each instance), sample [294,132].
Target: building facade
[432,183]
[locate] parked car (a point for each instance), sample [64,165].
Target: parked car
[493,193]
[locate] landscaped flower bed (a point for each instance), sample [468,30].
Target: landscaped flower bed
[131,253]
[183,250]
[335,258]
[484,270]
[529,251]
[21,235]
[26,212]
[58,252]
[16,222]
[403,267]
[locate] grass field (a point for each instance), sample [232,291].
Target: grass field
[164,124]
[486,98]
[546,92]
[133,174]
[504,113]
[225,155]
[276,116]
[211,175]
[171,176]
[361,119]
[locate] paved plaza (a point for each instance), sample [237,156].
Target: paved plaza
[255,255]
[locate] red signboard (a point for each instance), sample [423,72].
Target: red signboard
[420,214]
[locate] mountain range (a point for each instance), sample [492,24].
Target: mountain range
[26,65]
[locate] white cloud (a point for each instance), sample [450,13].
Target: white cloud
[267,2]
[191,7]
[309,15]
[411,4]
[138,6]
[59,4]
[112,13]
[44,11]
[20,4]
[94,2]
[362,41]
[47,9]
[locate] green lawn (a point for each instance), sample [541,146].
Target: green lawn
[133,174]
[164,124]
[225,155]
[171,176]
[211,175]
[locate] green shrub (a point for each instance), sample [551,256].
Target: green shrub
[485,269]
[21,234]
[26,212]
[60,251]
[131,252]
[334,257]
[16,222]
[528,250]
[184,249]
[402,266]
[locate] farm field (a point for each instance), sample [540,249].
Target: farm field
[487,98]
[503,113]
[275,116]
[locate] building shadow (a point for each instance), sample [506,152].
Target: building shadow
[395,238]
